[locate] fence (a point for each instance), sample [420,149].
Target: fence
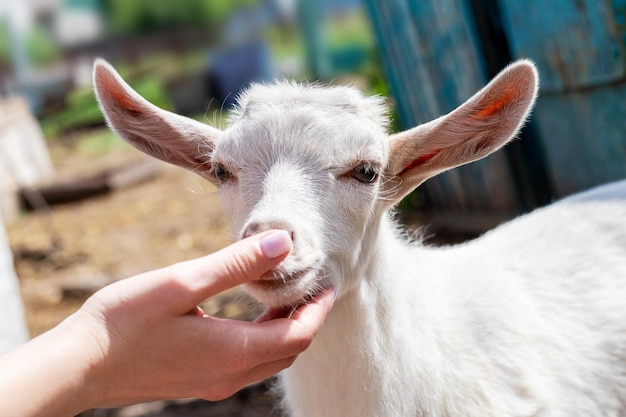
[437,53]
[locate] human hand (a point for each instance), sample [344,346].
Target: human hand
[143,338]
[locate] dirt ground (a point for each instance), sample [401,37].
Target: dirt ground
[65,254]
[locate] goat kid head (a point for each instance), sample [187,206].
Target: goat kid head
[317,162]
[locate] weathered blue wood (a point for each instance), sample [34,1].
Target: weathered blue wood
[575,43]
[431,52]
[579,47]
[402,62]
[432,59]
[584,136]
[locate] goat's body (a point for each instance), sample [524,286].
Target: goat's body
[528,320]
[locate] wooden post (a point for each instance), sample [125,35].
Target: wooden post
[432,58]
[24,158]
[13,330]
[580,50]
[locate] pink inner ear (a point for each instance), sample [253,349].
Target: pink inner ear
[125,101]
[117,94]
[496,106]
[421,160]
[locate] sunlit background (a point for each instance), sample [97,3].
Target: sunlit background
[191,53]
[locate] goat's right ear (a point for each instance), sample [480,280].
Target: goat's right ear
[478,127]
[164,135]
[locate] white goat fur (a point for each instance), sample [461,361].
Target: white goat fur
[527,320]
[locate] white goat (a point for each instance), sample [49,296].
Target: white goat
[528,320]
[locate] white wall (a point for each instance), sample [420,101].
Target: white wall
[13,330]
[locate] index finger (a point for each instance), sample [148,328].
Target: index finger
[241,262]
[281,338]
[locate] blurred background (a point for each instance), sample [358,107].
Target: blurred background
[82,209]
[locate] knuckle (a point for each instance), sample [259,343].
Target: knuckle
[290,361]
[302,341]
[218,393]
[238,266]
[242,364]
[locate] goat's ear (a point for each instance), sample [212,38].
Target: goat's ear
[164,135]
[480,126]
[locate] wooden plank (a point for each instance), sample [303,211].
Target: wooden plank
[37,197]
[416,99]
[449,50]
[24,158]
[584,137]
[579,47]
[430,52]
[431,55]
[575,43]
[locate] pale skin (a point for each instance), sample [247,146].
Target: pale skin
[143,339]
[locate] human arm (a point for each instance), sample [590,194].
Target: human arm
[136,340]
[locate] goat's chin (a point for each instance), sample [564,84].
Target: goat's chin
[278,290]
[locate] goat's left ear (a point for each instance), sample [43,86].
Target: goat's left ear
[480,126]
[164,135]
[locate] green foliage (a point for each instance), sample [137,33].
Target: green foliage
[5,52]
[348,30]
[82,109]
[166,66]
[100,141]
[41,49]
[144,16]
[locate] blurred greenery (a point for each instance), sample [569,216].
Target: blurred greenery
[82,111]
[349,29]
[5,52]
[349,42]
[99,141]
[166,66]
[145,16]
[285,41]
[40,47]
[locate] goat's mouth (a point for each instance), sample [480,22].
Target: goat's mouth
[276,279]
[279,288]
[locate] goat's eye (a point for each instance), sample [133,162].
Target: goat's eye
[221,173]
[365,173]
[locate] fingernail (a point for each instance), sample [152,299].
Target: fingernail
[275,244]
[335,293]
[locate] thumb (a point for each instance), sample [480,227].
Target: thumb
[236,264]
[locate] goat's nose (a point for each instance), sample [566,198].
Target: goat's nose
[256,227]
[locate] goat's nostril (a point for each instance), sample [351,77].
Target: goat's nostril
[251,229]
[258,227]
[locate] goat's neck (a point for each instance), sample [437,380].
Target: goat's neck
[356,340]
[371,279]
[382,261]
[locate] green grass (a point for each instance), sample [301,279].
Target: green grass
[349,29]
[82,110]
[285,42]
[100,141]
